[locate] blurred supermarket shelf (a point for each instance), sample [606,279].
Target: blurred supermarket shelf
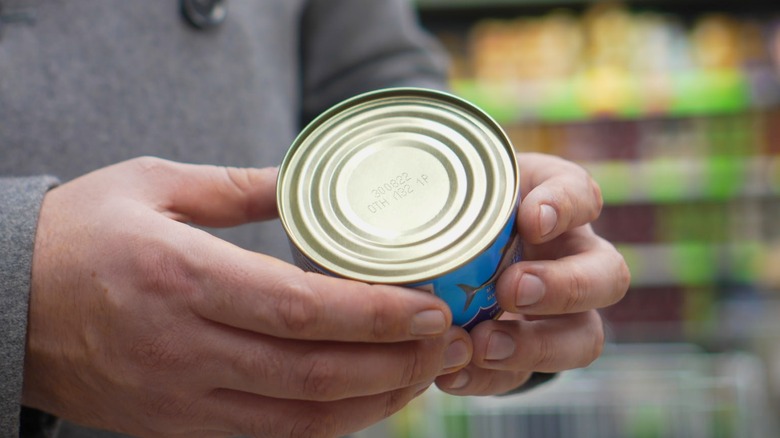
[721,295]
[742,219]
[450,4]
[615,94]
[611,61]
[702,263]
[481,4]
[673,106]
[722,138]
[676,179]
[632,391]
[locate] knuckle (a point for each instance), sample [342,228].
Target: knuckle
[544,356]
[486,383]
[300,309]
[599,338]
[592,340]
[576,295]
[624,277]
[259,364]
[150,164]
[620,272]
[240,182]
[157,353]
[240,178]
[322,380]
[414,368]
[164,270]
[146,161]
[381,322]
[597,196]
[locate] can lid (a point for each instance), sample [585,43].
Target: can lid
[397,186]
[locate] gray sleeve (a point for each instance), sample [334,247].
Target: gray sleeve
[20,201]
[351,46]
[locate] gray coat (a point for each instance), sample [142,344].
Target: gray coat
[88,83]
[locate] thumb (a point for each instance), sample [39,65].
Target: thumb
[213,196]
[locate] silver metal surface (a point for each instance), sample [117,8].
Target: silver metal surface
[397,186]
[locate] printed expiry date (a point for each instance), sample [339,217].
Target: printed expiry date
[395,189]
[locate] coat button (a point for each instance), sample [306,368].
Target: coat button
[204,14]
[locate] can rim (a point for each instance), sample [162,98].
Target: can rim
[406,92]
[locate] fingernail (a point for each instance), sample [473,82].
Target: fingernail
[428,322]
[547,219]
[461,380]
[531,290]
[500,346]
[457,354]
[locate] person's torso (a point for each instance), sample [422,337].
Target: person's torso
[88,83]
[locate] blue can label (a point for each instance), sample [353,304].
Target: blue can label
[469,291]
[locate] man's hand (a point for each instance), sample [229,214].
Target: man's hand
[550,299]
[143,324]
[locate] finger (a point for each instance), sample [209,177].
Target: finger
[476,381]
[559,196]
[207,195]
[253,415]
[318,371]
[581,271]
[546,345]
[255,292]
[226,284]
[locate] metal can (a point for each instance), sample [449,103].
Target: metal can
[405,186]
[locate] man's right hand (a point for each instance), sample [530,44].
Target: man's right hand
[142,324]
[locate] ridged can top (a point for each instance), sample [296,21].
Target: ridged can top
[397,186]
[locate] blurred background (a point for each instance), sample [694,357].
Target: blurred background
[674,107]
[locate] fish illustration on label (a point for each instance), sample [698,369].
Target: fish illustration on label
[510,255]
[472,304]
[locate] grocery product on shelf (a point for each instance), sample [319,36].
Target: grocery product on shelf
[680,391]
[612,61]
[676,116]
[674,109]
